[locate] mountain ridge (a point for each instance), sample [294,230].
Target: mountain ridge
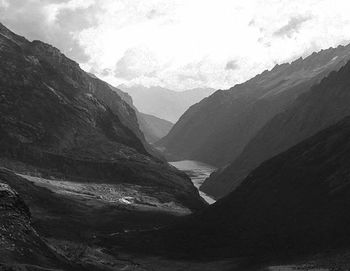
[313,111]
[216,129]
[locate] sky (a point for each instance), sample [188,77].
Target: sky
[181,44]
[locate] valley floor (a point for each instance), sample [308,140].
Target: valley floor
[133,197]
[75,219]
[85,229]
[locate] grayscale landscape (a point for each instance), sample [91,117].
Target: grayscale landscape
[193,135]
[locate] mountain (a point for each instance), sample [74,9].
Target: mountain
[324,105]
[293,204]
[217,129]
[58,121]
[153,128]
[165,103]
[298,200]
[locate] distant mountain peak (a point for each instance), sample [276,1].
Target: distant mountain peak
[165,103]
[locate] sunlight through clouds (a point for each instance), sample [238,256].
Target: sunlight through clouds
[182,44]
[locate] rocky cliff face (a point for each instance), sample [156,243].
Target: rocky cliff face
[62,121]
[324,105]
[216,130]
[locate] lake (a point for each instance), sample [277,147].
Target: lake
[198,172]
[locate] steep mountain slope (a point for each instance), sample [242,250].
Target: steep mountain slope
[62,121]
[216,130]
[296,200]
[165,103]
[20,246]
[325,104]
[153,128]
[295,203]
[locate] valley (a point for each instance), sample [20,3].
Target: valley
[209,155]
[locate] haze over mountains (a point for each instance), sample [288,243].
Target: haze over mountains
[152,127]
[217,129]
[165,103]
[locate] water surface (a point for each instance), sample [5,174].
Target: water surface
[198,172]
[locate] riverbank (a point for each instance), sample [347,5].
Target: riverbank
[198,172]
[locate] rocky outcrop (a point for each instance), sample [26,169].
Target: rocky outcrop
[324,105]
[217,129]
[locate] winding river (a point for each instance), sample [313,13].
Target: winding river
[198,172]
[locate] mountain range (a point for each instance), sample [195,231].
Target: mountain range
[322,106]
[217,129]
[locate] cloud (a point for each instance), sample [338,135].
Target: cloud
[251,22]
[180,44]
[232,65]
[106,72]
[292,26]
[54,21]
[136,62]
[154,13]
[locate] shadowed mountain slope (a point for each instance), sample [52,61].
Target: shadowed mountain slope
[324,105]
[293,204]
[154,128]
[216,129]
[21,248]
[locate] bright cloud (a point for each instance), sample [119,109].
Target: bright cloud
[181,44]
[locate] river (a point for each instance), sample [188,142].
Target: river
[198,172]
